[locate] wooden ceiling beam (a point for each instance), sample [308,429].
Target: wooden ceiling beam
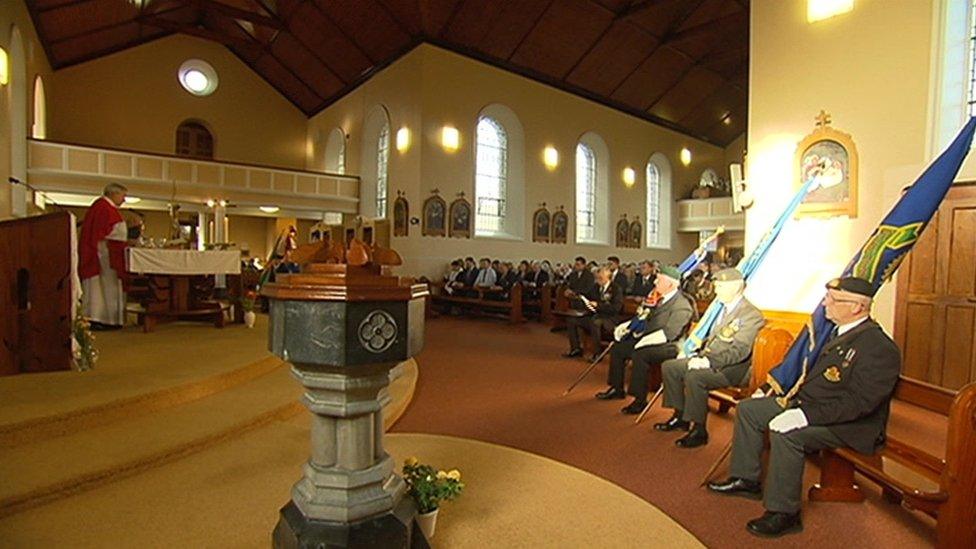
[458,4]
[67,4]
[530,31]
[237,13]
[396,19]
[110,26]
[706,28]
[201,32]
[344,34]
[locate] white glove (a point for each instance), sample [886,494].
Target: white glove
[620,331]
[653,338]
[787,421]
[698,363]
[758,394]
[591,305]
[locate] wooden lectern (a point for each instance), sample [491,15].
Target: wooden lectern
[35,294]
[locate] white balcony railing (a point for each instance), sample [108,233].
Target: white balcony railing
[66,167]
[708,214]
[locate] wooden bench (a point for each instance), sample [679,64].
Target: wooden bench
[944,489]
[483,302]
[538,306]
[768,351]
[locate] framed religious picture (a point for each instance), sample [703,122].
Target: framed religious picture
[560,226]
[830,158]
[435,216]
[541,224]
[460,215]
[623,233]
[636,229]
[401,215]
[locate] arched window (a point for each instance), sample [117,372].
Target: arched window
[955,87]
[658,202]
[382,165]
[499,180]
[374,167]
[491,174]
[335,152]
[193,139]
[39,130]
[592,190]
[585,193]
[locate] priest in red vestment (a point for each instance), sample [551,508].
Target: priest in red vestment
[101,259]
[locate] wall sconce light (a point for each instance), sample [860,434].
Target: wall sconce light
[630,176]
[211,203]
[4,68]
[550,157]
[269,209]
[818,10]
[403,139]
[685,156]
[132,200]
[450,138]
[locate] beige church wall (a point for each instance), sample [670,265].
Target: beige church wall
[13,13]
[430,88]
[734,153]
[133,100]
[869,69]
[250,231]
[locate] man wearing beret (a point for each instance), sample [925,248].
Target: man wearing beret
[842,401]
[656,341]
[723,360]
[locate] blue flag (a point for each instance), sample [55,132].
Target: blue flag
[878,258]
[747,266]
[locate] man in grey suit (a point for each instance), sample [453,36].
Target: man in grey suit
[722,360]
[653,342]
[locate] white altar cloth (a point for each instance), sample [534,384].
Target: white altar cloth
[183,262]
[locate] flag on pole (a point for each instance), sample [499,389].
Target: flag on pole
[879,257]
[747,266]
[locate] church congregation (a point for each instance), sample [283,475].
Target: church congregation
[549,273]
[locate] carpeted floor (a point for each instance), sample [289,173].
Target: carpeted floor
[500,383]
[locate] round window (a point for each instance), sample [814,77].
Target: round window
[198,77]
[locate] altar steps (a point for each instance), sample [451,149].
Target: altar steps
[113,441]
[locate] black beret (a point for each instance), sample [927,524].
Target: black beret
[853,285]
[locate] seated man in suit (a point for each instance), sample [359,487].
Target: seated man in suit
[580,282]
[616,273]
[507,277]
[602,308]
[656,341]
[843,400]
[723,360]
[644,281]
[486,276]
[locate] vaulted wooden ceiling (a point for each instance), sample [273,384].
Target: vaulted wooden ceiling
[679,63]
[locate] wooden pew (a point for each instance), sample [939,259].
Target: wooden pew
[943,489]
[538,302]
[513,305]
[768,351]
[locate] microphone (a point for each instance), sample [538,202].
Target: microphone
[14,181]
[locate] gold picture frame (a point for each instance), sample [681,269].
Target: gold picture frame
[459,225]
[435,216]
[833,154]
[541,224]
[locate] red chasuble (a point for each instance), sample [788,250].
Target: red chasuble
[98,223]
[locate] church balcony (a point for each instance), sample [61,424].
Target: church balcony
[708,214]
[73,168]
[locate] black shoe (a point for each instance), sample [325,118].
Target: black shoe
[573,353]
[733,486]
[774,525]
[673,424]
[697,437]
[634,408]
[611,394]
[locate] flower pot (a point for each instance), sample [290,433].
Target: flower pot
[249,317]
[428,522]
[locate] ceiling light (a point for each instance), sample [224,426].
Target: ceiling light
[222,202]
[727,119]
[132,200]
[210,203]
[198,77]
[550,157]
[269,209]
[450,138]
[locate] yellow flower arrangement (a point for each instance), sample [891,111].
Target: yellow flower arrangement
[429,487]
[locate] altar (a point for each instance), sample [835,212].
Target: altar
[179,284]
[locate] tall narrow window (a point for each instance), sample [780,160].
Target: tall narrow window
[382,159]
[585,193]
[971,96]
[193,139]
[491,176]
[658,202]
[653,204]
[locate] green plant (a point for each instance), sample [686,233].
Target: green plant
[84,353]
[428,486]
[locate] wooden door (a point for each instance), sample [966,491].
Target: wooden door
[935,304]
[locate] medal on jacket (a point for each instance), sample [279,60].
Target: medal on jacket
[832,374]
[848,358]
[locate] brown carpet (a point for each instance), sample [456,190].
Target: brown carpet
[500,383]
